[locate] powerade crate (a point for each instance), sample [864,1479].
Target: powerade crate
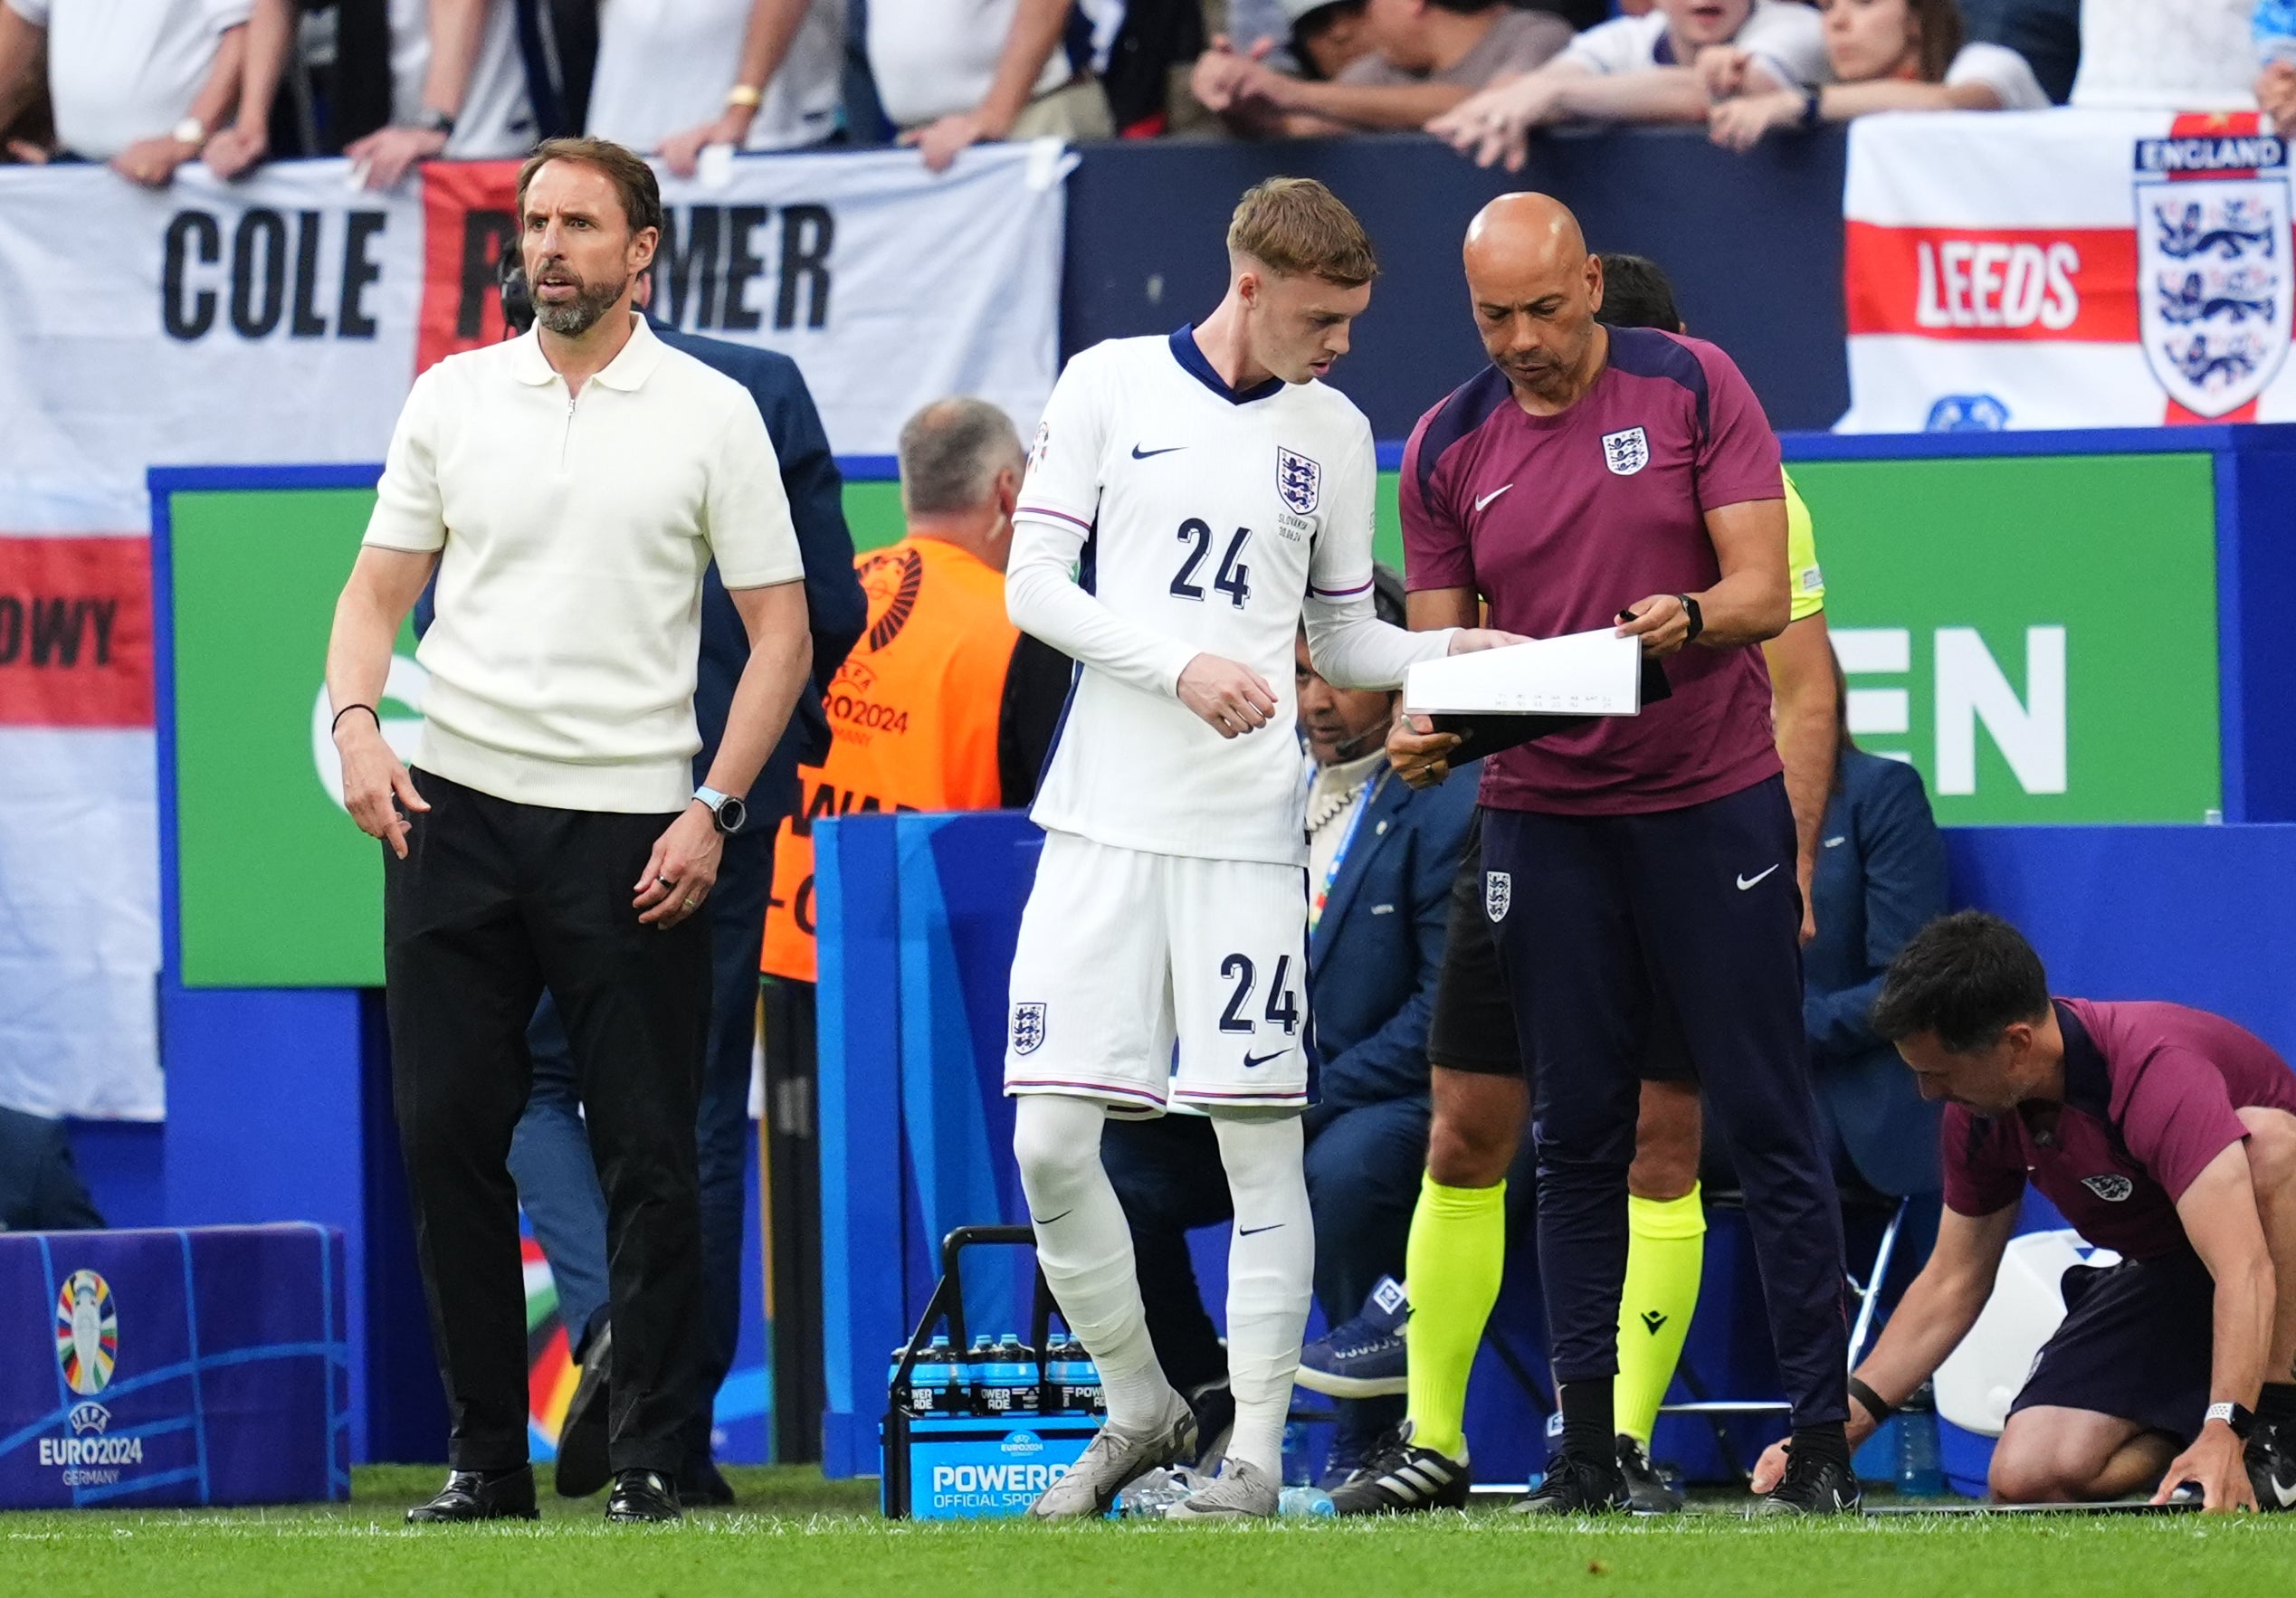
[980,1431]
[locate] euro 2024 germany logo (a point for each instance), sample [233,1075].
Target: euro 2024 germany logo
[87,1332]
[2214,288]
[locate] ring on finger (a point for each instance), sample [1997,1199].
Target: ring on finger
[692,903]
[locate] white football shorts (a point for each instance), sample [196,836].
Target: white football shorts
[1123,952]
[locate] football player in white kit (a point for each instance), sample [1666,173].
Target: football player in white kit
[1190,503]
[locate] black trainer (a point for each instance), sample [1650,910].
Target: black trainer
[1647,1492]
[2270,1457]
[1400,1477]
[1813,1486]
[471,1495]
[642,1497]
[1575,1486]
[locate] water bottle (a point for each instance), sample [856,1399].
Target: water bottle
[1305,1500]
[1295,1455]
[1075,1379]
[977,1380]
[1920,1474]
[931,1379]
[1019,1363]
[997,1382]
[896,1392]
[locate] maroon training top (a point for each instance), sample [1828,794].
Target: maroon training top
[1561,522]
[2150,1092]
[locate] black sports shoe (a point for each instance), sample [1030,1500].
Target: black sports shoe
[1647,1492]
[2270,1456]
[468,1495]
[1575,1486]
[1814,1487]
[643,1498]
[703,1486]
[582,1462]
[1400,1476]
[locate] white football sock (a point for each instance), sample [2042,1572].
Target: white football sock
[1270,1275]
[1085,1248]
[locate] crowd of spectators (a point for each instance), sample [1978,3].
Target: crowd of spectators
[148,85]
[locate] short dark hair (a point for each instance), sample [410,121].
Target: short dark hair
[1310,24]
[633,179]
[1967,977]
[1636,294]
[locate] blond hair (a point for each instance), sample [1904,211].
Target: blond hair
[1296,225]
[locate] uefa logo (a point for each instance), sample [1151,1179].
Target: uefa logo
[87,1332]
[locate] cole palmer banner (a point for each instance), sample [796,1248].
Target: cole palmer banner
[281,321]
[2067,269]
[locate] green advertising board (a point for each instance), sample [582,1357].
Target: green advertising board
[2037,635]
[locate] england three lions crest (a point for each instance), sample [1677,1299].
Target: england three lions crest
[1028,1028]
[2212,280]
[1299,480]
[1627,452]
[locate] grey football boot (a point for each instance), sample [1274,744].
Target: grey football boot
[1240,1492]
[1114,1460]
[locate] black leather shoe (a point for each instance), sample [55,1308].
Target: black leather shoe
[468,1495]
[702,1485]
[582,1458]
[642,1497]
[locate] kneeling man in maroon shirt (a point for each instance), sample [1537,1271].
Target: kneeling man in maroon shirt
[2164,1133]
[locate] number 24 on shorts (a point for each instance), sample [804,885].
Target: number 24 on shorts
[1283,1002]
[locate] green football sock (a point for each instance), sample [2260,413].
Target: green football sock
[1453,1259]
[1665,1252]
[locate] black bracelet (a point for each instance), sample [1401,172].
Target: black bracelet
[1870,1400]
[347,709]
[1813,109]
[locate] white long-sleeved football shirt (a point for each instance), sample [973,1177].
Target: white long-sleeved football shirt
[1197,519]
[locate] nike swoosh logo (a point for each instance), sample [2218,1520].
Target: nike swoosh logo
[1048,1221]
[1838,842]
[1746,882]
[1253,1059]
[1494,493]
[2286,1495]
[1141,455]
[1256,1231]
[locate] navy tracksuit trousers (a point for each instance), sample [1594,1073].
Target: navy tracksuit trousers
[1607,918]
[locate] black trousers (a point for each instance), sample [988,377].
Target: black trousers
[1605,925]
[494,901]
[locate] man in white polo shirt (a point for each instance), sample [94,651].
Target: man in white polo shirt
[568,488]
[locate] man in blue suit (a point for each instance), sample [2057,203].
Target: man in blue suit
[550,1153]
[1881,877]
[1381,858]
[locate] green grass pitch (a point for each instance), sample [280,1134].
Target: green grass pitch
[796,1534]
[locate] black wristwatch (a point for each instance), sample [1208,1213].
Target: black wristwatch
[2235,1416]
[729,812]
[1697,616]
[431,120]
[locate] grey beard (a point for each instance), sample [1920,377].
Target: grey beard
[573,317]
